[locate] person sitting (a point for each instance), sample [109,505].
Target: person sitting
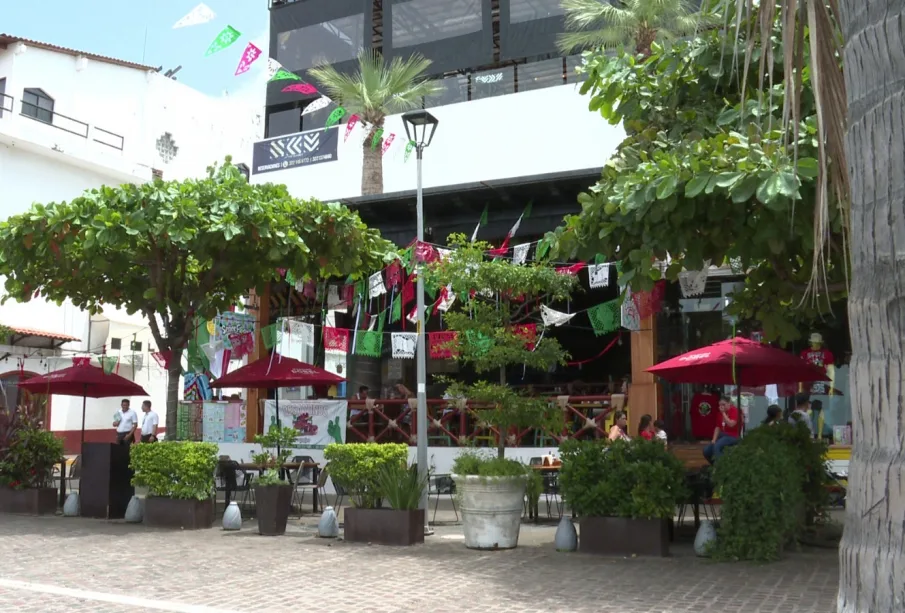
[774,415]
[727,433]
[660,431]
[361,395]
[617,432]
[646,427]
[801,414]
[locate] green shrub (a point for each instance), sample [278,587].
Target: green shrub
[29,457]
[357,466]
[474,462]
[275,438]
[638,479]
[401,485]
[760,485]
[175,469]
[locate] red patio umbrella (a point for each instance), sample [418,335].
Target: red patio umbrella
[83,380]
[738,361]
[276,371]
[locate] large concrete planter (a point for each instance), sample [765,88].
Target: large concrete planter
[491,510]
[272,504]
[192,514]
[35,501]
[384,526]
[623,536]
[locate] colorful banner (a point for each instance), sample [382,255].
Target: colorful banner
[213,422]
[235,423]
[224,39]
[198,15]
[248,57]
[233,324]
[319,422]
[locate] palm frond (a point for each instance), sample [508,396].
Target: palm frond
[608,38]
[582,14]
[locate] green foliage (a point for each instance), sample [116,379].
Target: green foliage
[28,454]
[638,479]
[357,466]
[760,484]
[706,174]
[182,470]
[474,462]
[275,438]
[506,295]
[5,333]
[535,487]
[401,485]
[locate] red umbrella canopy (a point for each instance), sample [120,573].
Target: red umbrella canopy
[277,371]
[83,380]
[754,364]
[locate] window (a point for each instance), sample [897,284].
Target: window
[572,64]
[329,42]
[135,345]
[529,10]
[282,122]
[5,102]
[538,75]
[166,148]
[454,89]
[116,343]
[37,105]
[316,119]
[494,82]
[416,22]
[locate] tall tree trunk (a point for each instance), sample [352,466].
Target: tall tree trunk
[872,552]
[174,371]
[372,164]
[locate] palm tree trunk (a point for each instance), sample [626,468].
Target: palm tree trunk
[872,552]
[372,164]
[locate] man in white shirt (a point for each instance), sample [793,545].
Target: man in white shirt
[149,423]
[125,421]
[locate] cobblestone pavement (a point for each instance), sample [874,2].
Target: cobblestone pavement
[73,565]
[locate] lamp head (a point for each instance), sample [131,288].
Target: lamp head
[420,127]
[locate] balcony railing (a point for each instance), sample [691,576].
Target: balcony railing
[61,122]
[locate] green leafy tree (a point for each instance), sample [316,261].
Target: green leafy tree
[506,295]
[635,24]
[378,89]
[706,174]
[179,250]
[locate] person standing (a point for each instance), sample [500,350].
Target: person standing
[125,421]
[149,423]
[802,414]
[727,433]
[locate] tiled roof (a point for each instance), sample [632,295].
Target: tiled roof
[6,39]
[42,334]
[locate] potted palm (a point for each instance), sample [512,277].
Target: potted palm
[273,494]
[624,493]
[370,473]
[494,329]
[180,481]
[28,454]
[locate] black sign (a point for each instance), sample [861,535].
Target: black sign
[302,149]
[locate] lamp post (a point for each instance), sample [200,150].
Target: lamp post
[419,128]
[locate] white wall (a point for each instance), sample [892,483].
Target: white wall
[525,134]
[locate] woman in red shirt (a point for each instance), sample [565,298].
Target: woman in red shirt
[646,428]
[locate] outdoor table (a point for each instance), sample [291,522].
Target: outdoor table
[259,468]
[533,505]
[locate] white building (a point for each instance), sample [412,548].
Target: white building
[71,121]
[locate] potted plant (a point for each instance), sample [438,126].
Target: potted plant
[371,472]
[624,493]
[28,454]
[273,494]
[180,481]
[492,318]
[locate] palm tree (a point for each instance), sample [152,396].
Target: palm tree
[377,89]
[615,23]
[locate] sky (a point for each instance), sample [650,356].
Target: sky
[117,28]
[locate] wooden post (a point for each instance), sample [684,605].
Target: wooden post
[643,397]
[254,396]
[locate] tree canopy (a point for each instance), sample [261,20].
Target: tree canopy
[707,174]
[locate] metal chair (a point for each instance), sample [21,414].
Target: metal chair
[228,472]
[438,486]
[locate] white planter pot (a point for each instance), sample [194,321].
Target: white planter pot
[491,510]
[71,506]
[232,517]
[135,512]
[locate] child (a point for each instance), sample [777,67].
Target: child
[660,430]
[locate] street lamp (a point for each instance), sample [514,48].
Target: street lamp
[419,128]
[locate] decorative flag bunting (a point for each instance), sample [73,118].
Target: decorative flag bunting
[350,125]
[248,57]
[528,332]
[396,311]
[630,318]
[161,357]
[284,75]
[542,248]
[404,344]
[86,361]
[376,140]
[301,88]
[336,339]
[386,143]
[198,15]
[369,343]
[503,248]
[425,252]
[520,253]
[225,38]
[273,67]
[444,254]
[693,283]
[409,147]
[229,324]
[321,103]
[446,300]
[570,270]
[648,303]
[605,317]
[243,344]
[269,336]
[481,222]
[335,117]
[302,331]
[376,286]
[394,274]
[479,341]
[109,364]
[554,318]
[598,275]
[441,345]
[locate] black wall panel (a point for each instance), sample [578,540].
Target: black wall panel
[529,27]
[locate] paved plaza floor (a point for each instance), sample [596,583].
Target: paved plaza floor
[73,565]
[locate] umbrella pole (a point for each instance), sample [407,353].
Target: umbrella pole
[84,400]
[276,395]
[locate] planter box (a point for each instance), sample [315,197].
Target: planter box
[163,512]
[491,510]
[272,504]
[622,536]
[35,501]
[384,526]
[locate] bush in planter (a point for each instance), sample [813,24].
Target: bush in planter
[763,501]
[180,481]
[273,494]
[401,485]
[28,454]
[357,467]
